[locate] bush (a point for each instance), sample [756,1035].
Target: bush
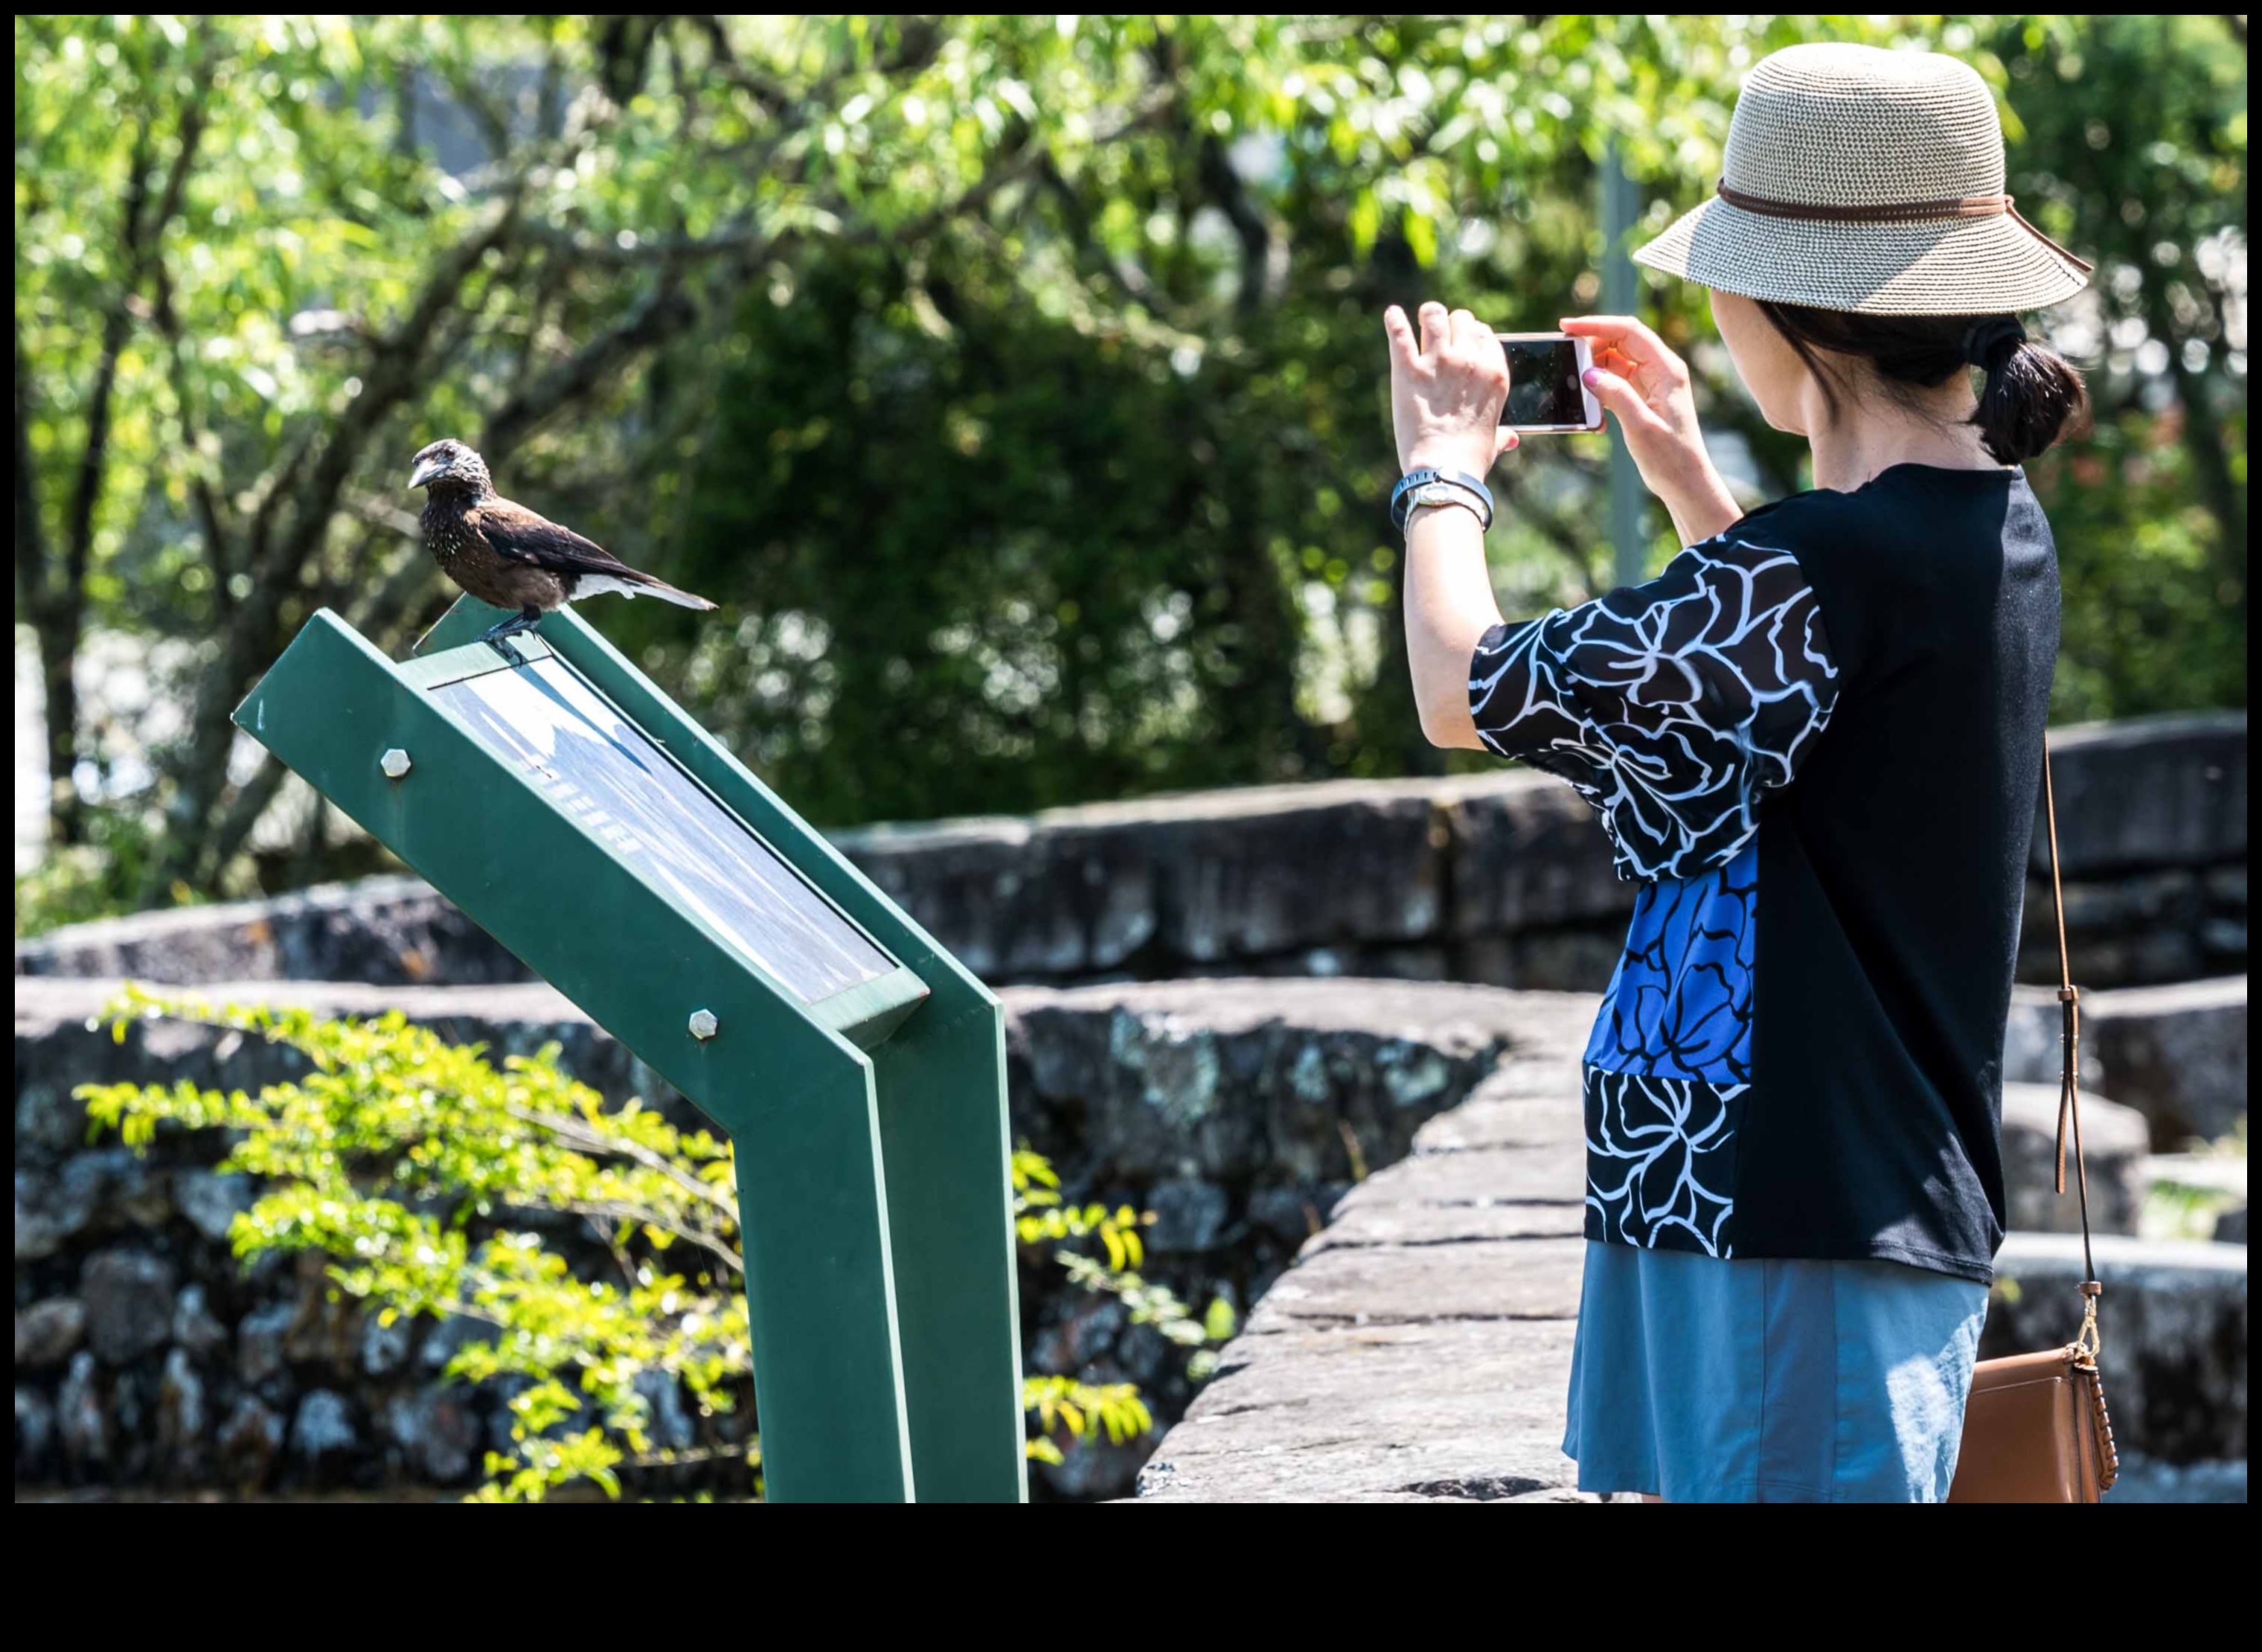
[101,877]
[442,1185]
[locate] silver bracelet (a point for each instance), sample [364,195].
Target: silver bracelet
[1444,493]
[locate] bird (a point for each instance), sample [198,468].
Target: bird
[508,556]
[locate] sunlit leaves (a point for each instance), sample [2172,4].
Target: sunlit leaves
[434,1180]
[1036,314]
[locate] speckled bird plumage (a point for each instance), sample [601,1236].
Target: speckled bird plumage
[508,556]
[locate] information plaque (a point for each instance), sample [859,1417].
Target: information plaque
[569,808]
[595,764]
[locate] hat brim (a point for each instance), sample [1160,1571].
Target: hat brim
[1960,266]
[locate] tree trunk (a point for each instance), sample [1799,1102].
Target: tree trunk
[1257,714]
[2203,438]
[1387,718]
[57,627]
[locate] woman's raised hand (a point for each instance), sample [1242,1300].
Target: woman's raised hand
[1446,391]
[1645,386]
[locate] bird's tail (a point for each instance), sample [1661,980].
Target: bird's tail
[668,593]
[641,584]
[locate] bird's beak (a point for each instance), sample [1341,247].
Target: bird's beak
[425,471]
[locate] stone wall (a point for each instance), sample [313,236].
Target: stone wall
[1239,1113]
[1502,879]
[1258,1119]
[1420,1348]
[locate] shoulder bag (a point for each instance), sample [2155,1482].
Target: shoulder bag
[2035,1429]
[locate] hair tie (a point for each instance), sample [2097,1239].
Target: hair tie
[1983,341]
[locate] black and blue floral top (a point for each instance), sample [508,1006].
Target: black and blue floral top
[1815,740]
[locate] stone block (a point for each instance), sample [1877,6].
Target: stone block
[1387,1411]
[1527,853]
[1013,900]
[2173,1319]
[211,1202]
[249,1441]
[129,1304]
[1244,1082]
[48,1333]
[2178,1054]
[2147,791]
[2148,1479]
[1205,880]
[395,931]
[1277,869]
[1190,1214]
[2115,1143]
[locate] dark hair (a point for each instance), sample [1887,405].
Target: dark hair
[2032,396]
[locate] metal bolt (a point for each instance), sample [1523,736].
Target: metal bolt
[394,762]
[704,1024]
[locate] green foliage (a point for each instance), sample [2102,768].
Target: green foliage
[1014,382]
[100,876]
[436,1180]
[2188,1209]
[2139,125]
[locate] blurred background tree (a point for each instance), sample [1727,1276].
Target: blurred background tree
[1014,383]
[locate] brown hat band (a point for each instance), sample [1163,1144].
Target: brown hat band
[1898,212]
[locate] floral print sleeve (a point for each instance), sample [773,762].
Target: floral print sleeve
[1672,707]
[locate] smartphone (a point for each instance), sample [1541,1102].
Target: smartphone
[1546,390]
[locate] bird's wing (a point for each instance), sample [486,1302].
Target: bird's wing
[517,535]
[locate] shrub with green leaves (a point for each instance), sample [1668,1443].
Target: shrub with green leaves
[444,1185]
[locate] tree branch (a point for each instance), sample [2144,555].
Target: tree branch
[494,124]
[582,1138]
[396,360]
[659,314]
[250,802]
[86,494]
[585,249]
[1014,163]
[168,321]
[1223,186]
[31,537]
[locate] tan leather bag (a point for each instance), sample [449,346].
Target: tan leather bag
[2035,1429]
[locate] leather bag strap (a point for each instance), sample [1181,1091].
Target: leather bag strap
[2069,1087]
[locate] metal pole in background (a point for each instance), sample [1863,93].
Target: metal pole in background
[1619,206]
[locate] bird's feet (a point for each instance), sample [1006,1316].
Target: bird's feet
[499,633]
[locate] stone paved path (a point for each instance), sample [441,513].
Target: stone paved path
[1419,1349]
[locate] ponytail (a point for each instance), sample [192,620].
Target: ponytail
[2031,392]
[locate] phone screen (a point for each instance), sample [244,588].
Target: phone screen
[1543,384]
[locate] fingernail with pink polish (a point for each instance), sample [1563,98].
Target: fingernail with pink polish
[1592,377]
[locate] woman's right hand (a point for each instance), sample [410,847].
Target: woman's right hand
[1646,387]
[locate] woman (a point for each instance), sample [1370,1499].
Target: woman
[1815,741]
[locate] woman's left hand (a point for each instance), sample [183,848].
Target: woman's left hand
[1446,391]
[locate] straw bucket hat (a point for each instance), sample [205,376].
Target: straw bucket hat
[1860,179]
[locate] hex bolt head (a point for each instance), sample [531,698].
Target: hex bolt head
[704,1024]
[394,762]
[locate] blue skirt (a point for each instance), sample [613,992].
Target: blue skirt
[1768,1380]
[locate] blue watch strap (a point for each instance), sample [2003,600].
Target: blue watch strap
[1412,480]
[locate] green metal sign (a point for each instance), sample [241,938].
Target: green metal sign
[580,816]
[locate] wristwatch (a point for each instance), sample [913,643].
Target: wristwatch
[1427,486]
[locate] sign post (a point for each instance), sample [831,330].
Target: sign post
[587,823]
